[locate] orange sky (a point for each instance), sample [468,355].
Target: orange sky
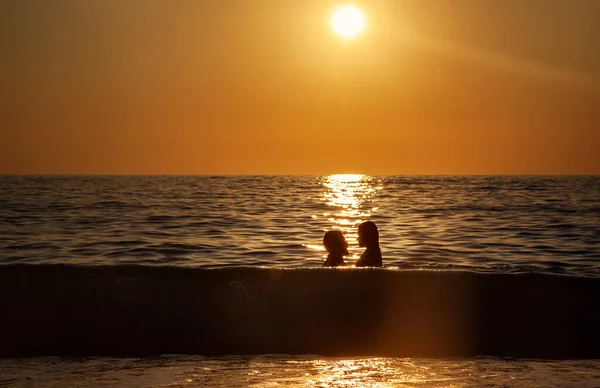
[263,87]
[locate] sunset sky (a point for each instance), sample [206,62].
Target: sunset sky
[266,87]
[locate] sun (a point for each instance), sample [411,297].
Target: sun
[347,21]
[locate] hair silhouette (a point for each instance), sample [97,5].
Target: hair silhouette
[335,243]
[368,237]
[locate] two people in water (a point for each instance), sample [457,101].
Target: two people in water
[368,237]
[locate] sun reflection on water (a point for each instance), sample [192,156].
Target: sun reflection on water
[350,201]
[362,372]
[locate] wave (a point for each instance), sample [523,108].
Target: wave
[136,310]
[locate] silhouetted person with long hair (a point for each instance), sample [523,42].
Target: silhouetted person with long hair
[368,237]
[335,243]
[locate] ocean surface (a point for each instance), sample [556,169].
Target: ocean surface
[296,371]
[170,281]
[490,224]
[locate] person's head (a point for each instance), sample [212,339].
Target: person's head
[368,235]
[335,242]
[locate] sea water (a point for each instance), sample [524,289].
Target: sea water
[481,223]
[296,371]
[505,231]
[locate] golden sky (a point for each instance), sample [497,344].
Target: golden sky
[265,87]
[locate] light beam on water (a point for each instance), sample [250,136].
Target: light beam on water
[350,199]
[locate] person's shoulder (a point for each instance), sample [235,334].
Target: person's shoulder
[361,262]
[370,258]
[333,261]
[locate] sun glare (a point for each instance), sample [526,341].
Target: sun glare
[347,21]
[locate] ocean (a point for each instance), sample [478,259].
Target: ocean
[218,281]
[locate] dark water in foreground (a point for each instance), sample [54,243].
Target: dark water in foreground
[141,266]
[296,371]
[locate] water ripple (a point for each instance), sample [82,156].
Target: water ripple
[507,224]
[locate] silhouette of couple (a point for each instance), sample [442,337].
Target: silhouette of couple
[368,237]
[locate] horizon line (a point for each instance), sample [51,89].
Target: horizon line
[296,175]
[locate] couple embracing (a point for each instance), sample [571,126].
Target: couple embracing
[368,237]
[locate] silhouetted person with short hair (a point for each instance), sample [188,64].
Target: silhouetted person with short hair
[335,243]
[368,237]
